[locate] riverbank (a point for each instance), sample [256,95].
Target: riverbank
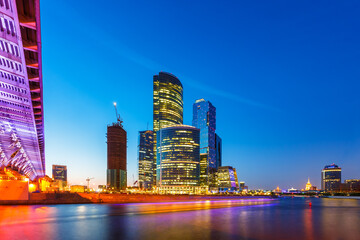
[91,198]
[343,197]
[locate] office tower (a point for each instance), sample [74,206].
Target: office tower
[21,97]
[146,159]
[331,178]
[59,174]
[178,159]
[167,104]
[116,156]
[227,179]
[204,118]
[218,150]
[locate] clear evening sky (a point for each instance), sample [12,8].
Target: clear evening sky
[283,75]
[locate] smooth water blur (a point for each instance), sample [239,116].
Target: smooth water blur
[284,218]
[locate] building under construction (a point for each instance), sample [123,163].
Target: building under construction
[116,155]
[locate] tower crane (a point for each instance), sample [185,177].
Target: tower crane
[118,119]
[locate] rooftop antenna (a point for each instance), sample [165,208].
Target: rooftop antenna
[118,119]
[147,126]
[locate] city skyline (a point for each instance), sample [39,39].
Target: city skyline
[288,115]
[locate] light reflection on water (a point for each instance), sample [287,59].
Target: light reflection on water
[290,218]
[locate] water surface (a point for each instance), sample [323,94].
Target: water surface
[284,218]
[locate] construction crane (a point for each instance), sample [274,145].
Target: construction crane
[88,183]
[118,119]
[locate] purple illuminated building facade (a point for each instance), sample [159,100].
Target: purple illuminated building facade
[21,98]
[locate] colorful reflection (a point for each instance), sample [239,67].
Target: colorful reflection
[286,218]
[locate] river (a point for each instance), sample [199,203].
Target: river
[283,218]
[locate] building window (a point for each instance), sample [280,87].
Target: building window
[7,26]
[12,29]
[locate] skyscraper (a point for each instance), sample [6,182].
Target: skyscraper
[21,97]
[204,118]
[178,159]
[146,159]
[331,178]
[167,104]
[116,156]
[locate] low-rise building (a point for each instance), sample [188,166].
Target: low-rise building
[227,179]
[13,185]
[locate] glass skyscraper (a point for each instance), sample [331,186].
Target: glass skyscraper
[331,178]
[204,118]
[178,159]
[167,104]
[146,159]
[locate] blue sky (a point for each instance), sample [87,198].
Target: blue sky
[284,78]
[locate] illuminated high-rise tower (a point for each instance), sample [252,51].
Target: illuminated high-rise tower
[146,159]
[204,118]
[331,178]
[21,97]
[167,104]
[178,159]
